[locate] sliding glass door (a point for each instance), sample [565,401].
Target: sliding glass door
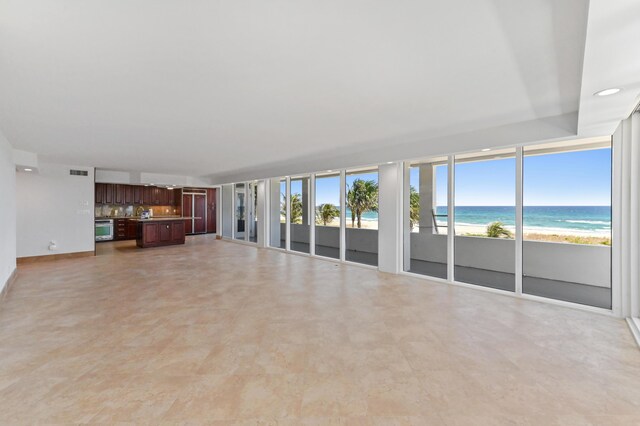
[361,198]
[327,215]
[485,216]
[252,211]
[240,211]
[299,222]
[426,218]
[567,222]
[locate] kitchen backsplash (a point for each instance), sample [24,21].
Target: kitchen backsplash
[109,210]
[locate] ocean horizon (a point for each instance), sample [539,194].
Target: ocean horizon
[588,219]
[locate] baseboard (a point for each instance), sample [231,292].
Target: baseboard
[634,325]
[8,284]
[218,237]
[52,257]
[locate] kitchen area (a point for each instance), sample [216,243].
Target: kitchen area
[153,215]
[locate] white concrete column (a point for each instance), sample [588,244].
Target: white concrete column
[227,211]
[406,232]
[427,189]
[274,212]
[390,180]
[262,214]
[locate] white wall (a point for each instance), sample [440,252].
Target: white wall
[389,217]
[54,206]
[227,210]
[7,211]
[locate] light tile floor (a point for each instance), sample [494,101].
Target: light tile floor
[221,333]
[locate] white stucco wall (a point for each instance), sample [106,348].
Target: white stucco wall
[55,206]
[7,211]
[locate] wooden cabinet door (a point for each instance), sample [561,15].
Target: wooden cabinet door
[157,195]
[151,233]
[177,232]
[211,210]
[187,211]
[120,231]
[138,194]
[131,229]
[108,193]
[164,196]
[128,194]
[165,232]
[118,196]
[147,196]
[177,197]
[99,195]
[200,212]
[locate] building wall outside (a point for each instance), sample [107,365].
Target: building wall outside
[585,264]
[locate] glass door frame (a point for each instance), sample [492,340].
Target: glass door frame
[616,296]
[247,237]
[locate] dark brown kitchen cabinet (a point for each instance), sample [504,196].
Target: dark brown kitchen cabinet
[120,229]
[148,196]
[131,229]
[153,233]
[128,194]
[108,193]
[138,194]
[99,195]
[119,194]
[177,198]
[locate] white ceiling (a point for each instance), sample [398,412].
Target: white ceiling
[235,88]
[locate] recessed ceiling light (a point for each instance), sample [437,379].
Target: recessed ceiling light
[486,149]
[151,183]
[28,170]
[389,162]
[171,188]
[329,171]
[607,92]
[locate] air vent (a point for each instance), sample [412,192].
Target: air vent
[78,172]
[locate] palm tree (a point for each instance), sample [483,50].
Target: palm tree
[414,207]
[497,230]
[362,197]
[295,216]
[326,213]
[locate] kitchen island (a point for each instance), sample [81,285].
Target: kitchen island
[156,232]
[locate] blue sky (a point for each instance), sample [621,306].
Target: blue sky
[580,178]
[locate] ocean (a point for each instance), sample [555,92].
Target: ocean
[588,219]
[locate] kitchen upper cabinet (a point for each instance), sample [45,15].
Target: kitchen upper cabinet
[119,194]
[99,195]
[108,193]
[148,195]
[128,194]
[177,197]
[138,194]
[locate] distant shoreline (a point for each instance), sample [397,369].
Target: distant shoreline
[530,232]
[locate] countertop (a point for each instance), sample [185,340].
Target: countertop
[156,219]
[163,219]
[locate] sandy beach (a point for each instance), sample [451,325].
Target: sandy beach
[532,234]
